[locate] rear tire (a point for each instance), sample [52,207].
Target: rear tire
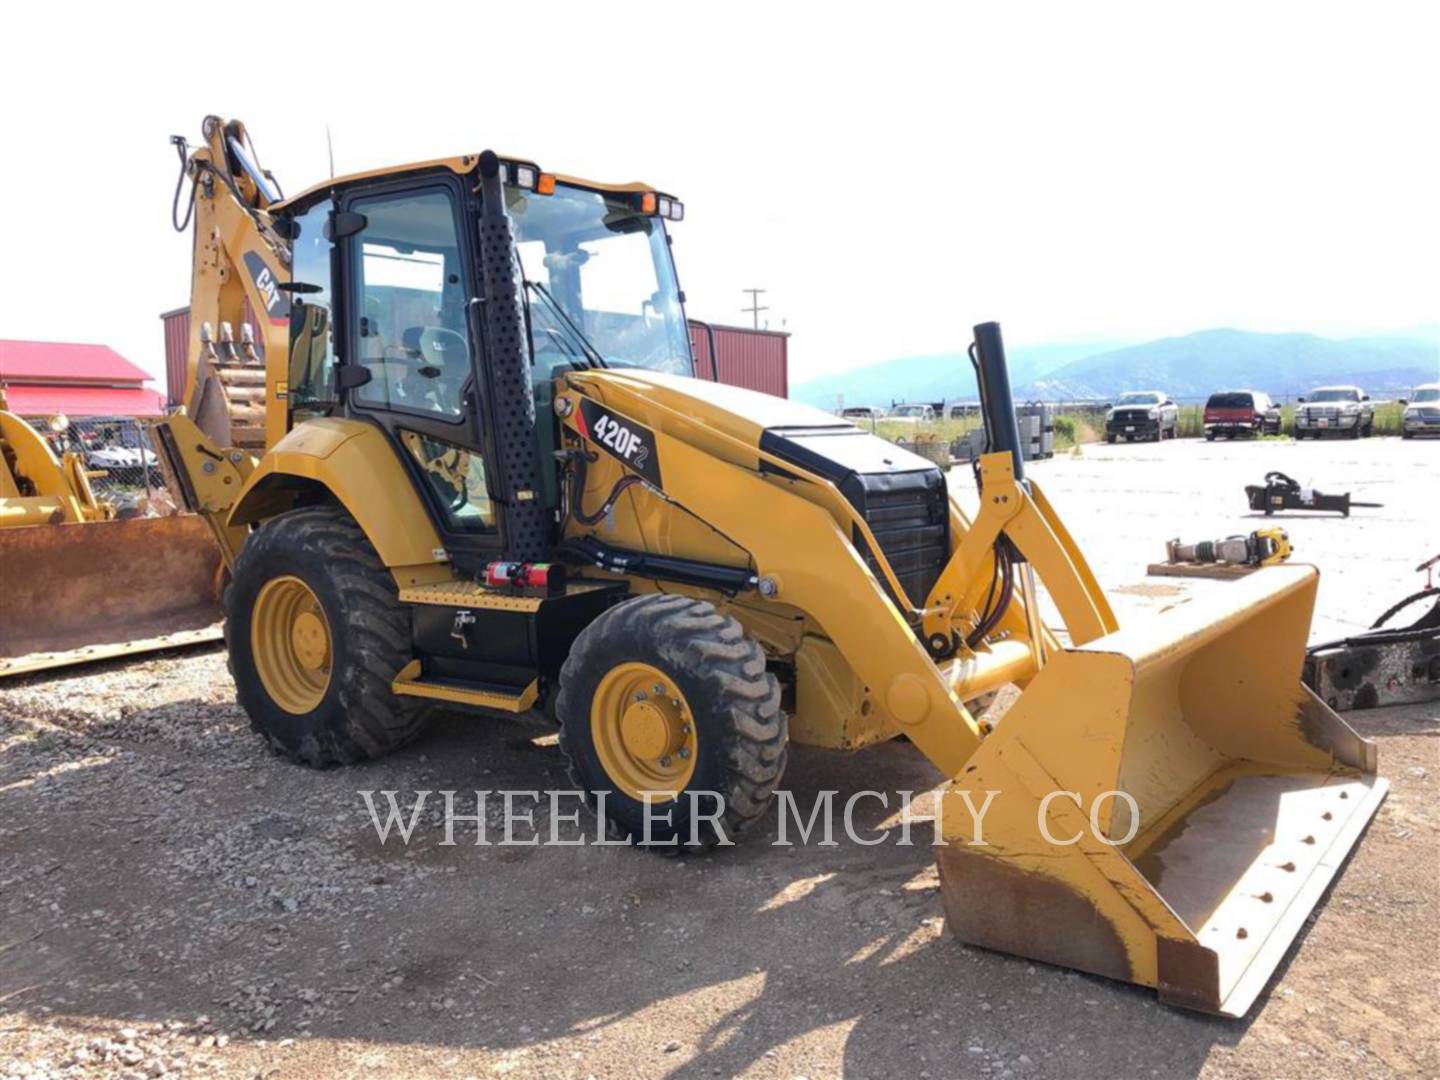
[355,716]
[1110,439]
[734,730]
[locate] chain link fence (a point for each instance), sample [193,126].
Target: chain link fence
[119,459]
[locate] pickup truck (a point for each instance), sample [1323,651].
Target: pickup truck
[1241,412]
[1422,412]
[1142,414]
[1344,410]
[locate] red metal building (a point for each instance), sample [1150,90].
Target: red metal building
[755,359]
[47,378]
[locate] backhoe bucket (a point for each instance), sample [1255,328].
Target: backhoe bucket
[71,593]
[1171,802]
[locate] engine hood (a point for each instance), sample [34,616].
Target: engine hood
[801,433]
[740,413]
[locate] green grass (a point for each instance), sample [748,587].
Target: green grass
[1071,429]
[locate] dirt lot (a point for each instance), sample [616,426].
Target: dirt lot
[177,901]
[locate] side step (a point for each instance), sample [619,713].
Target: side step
[502,699]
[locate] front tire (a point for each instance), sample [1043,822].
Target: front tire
[663,694]
[316,634]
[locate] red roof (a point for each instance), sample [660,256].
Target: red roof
[53,361]
[77,401]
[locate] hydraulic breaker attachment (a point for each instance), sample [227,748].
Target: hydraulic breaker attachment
[1170,802]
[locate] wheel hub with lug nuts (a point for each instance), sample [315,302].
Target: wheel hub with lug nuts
[643,731]
[291,645]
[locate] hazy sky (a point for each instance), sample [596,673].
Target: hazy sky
[891,173]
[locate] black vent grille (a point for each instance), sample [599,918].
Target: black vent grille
[901,496]
[912,529]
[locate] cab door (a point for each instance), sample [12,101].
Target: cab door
[409,276]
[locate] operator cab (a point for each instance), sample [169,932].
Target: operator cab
[385,310]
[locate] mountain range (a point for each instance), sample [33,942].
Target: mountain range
[1188,368]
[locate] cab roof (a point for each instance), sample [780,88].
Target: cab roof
[459,165]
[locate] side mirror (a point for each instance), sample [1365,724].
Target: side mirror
[352,376]
[1404,401]
[1107,405]
[1364,397]
[1299,401]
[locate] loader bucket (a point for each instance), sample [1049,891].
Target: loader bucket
[1247,794]
[70,593]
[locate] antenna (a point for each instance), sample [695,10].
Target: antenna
[330,146]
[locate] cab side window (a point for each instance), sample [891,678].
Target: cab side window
[312,338]
[410,327]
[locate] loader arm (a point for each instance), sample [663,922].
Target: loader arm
[1209,795]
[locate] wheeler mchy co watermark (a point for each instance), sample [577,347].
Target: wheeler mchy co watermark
[558,817]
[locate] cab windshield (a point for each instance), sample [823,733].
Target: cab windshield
[1139,399]
[1427,394]
[1335,395]
[606,266]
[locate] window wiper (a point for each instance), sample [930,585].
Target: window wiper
[592,354]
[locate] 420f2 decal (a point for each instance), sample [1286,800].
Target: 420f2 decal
[630,443]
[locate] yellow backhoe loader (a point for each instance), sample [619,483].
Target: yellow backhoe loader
[77,581]
[489,478]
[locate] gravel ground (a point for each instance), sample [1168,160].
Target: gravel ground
[175,901]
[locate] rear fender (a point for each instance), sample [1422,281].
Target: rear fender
[354,464]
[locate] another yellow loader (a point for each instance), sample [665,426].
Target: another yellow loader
[78,583]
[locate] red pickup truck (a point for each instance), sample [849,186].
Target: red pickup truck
[1241,412]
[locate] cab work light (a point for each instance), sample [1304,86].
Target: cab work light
[522,174]
[673,209]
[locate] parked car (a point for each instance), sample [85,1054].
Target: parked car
[863,415]
[1342,409]
[1241,412]
[1422,412]
[1142,414]
[912,414]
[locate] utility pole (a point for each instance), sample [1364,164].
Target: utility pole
[754,309]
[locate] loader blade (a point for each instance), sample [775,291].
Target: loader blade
[1248,793]
[77,592]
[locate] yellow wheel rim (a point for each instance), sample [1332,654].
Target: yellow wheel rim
[290,640]
[644,732]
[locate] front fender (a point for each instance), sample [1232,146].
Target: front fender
[357,465]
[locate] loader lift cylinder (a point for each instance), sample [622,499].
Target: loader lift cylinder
[507,355]
[996,401]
